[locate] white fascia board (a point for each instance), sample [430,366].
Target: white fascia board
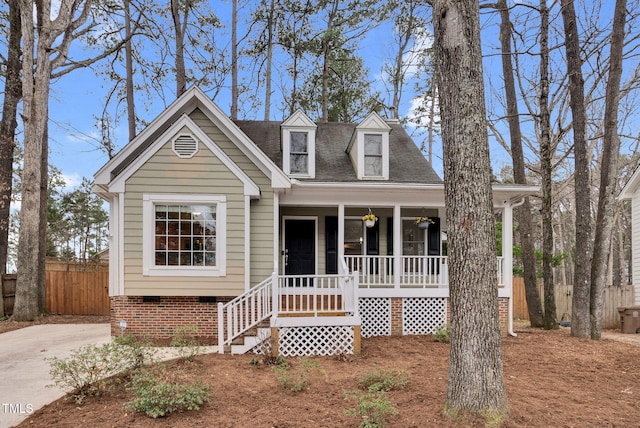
[184,104]
[631,187]
[507,194]
[371,194]
[279,179]
[250,188]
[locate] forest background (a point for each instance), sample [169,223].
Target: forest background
[337,60]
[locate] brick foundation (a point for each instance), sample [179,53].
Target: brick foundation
[503,311]
[396,316]
[158,320]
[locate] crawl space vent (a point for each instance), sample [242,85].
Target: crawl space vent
[185,146]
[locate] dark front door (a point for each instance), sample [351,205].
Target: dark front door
[299,247]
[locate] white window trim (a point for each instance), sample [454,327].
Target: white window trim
[148,235]
[385,155]
[311,147]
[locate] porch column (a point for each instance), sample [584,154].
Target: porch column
[397,245]
[340,237]
[276,232]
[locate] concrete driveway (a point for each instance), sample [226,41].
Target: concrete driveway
[24,371]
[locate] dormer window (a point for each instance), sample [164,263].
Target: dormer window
[299,146]
[369,148]
[299,153]
[373,155]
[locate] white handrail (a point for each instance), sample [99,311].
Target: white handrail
[244,312]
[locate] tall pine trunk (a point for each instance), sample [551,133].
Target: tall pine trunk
[580,325]
[608,172]
[523,214]
[36,69]
[8,125]
[546,172]
[475,365]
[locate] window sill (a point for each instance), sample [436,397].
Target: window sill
[185,271]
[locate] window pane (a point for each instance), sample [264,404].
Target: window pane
[373,144]
[184,231]
[373,165]
[412,239]
[298,164]
[353,237]
[299,142]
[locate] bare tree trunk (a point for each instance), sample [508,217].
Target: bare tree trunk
[523,214]
[608,172]
[42,240]
[432,122]
[271,24]
[8,125]
[128,49]
[546,155]
[35,90]
[580,325]
[179,28]
[475,365]
[234,59]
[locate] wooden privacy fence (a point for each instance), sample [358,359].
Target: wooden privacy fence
[613,298]
[77,293]
[68,292]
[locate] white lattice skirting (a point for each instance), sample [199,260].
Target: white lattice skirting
[307,341]
[375,313]
[423,315]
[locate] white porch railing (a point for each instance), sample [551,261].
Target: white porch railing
[287,295]
[244,312]
[414,271]
[314,295]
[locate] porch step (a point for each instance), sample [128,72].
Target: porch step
[248,341]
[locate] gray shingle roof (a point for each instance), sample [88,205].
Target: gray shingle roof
[406,162]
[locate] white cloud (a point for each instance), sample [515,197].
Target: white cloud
[419,111]
[71,181]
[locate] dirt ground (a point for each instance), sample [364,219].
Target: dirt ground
[551,378]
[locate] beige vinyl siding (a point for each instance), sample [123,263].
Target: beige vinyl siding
[262,223]
[165,173]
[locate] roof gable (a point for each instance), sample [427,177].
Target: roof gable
[299,119]
[118,184]
[631,187]
[191,100]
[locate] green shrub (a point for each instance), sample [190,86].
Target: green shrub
[88,370]
[156,396]
[295,381]
[372,408]
[442,334]
[383,380]
[185,338]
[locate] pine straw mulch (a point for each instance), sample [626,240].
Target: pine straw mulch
[552,379]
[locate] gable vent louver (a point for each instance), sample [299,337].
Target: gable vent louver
[185,146]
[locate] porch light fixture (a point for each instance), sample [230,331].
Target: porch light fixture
[369,219]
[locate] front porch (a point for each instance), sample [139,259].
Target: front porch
[327,314]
